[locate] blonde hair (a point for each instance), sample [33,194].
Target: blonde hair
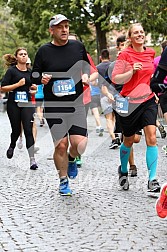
[10,60]
[129,32]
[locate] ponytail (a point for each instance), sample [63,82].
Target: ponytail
[10,60]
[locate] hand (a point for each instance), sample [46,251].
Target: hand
[85,79]
[21,82]
[110,97]
[137,66]
[156,98]
[33,89]
[46,78]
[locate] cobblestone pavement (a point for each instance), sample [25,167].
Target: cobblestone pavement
[99,217]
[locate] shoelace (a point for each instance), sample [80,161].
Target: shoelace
[73,168]
[63,183]
[161,128]
[154,185]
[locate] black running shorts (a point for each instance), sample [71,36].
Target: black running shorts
[64,121]
[143,115]
[163,102]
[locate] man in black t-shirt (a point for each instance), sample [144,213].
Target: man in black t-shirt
[62,66]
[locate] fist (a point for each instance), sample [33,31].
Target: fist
[33,89]
[22,82]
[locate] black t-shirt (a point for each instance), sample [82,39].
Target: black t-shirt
[157,81]
[163,60]
[105,71]
[12,76]
[63,62]
[102,70]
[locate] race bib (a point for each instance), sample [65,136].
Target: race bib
[63,87]
[21,96]
[122,105]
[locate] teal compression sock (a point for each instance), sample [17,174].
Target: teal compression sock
[124,156]
[152,160]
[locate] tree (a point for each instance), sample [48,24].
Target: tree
[86,17]
[152,15]
[9,38]
[91,20]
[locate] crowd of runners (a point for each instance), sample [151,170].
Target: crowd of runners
[65,82]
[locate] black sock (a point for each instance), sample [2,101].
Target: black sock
[70,158]
[62,179]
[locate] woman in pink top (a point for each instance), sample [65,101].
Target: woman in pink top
[137,107]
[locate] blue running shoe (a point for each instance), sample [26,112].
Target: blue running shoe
[72,169]
[64,189]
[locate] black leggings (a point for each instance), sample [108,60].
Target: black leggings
[24,115]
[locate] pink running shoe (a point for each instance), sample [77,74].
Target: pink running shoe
[161,203]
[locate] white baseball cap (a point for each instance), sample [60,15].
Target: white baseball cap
[55,20]
[28,61]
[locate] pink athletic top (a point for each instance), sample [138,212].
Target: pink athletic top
[138,87]
[156,62]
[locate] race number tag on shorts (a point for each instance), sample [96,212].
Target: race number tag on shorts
[21,96]
[64,87]
[122,105]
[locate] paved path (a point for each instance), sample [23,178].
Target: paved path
[99,217]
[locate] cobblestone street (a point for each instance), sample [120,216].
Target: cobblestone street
[99,217]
